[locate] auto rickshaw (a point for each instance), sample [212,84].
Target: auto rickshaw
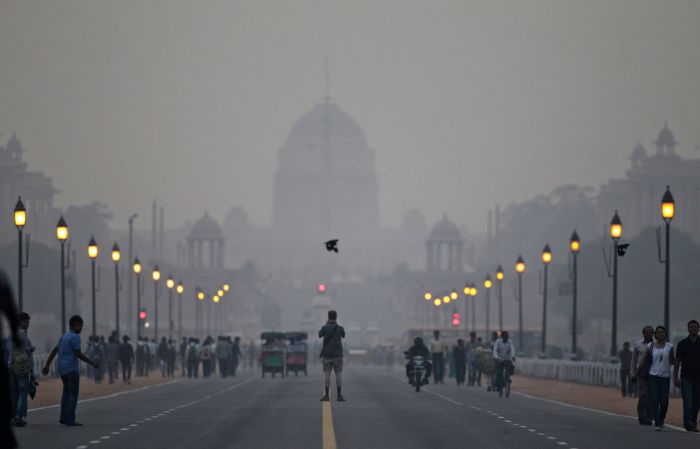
[297,352]
[272,353]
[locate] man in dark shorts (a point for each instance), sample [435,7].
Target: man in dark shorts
[332,353]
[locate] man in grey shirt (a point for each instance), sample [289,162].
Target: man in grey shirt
[643,402]
[332,353]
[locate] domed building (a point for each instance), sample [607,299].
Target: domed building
[445,235]
[325,183]
[206,237]
[637,196]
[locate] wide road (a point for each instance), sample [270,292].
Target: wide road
[382,412]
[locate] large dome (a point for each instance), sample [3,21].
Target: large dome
[445,230]
[206,227]
[309,129]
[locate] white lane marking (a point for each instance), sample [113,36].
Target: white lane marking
[134,425]
[123,429]
[443,397]
[81,447]
[508,420]
[105,437]
[561,443]
[109,396]
[551,438]
[531,430]
[588,409]
[94,441]
[116,433]
[541,434]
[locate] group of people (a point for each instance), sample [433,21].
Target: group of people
[651,367]
[225,352]
[472,357]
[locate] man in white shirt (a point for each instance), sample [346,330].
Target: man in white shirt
[503,350]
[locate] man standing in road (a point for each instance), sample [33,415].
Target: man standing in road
[688,359]
[439,352]
[332,353]
[643,402]
[68,350]
[459,355]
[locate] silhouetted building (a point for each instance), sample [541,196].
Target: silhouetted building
[637,197]
[37,193]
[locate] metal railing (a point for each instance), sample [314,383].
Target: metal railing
[588,373]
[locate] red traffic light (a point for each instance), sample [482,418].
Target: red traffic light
[321,288]
[142,315]
[455,319]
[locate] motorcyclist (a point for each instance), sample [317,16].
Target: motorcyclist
[418,350]
[503,351]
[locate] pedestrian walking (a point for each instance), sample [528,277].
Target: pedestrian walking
[644,413]
[96,353]
[438,350]
[223,353]
[471,358]
[7,308]
[68,351]
[459,355]
[126,359]
[172,358]
[192,358]
[332,354]
[112,358]
[206,355]
[21,363]
[235,354]
[492,377]
[660,352]
[688,360]
[251,354]
[162,353]
[625,356]
[183,356]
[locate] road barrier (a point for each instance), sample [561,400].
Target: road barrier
[589,373]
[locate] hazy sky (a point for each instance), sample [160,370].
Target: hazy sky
[467,103]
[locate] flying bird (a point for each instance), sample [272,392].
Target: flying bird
[332,245]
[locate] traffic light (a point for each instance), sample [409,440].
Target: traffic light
[143,314]
[321,288]
[455,319]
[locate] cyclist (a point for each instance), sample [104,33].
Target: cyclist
[503,351]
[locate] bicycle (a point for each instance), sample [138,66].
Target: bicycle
[508,369]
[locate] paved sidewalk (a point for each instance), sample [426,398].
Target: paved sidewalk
[49,390]
[601,398]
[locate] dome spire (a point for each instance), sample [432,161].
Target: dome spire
[327,79]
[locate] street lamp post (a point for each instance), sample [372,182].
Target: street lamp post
[198,313]
[520,269]
[615,234]
[180,290]
[129,280]
[137,271]
[20,222]
[93,252]
[575,246]
[487,285]
[546,260]
[668,210]
[116,257]
[156,278]
[62,236]
[473,292]
[170,283]
[500,275]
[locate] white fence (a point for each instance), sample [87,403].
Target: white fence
[589,373]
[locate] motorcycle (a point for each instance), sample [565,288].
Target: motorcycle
[418,372]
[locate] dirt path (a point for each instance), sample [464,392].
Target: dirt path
[50,390]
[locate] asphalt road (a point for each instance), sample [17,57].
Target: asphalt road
[382,412]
